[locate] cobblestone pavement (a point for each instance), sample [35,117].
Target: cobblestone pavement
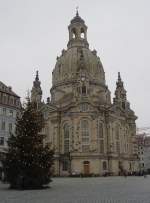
[84,190]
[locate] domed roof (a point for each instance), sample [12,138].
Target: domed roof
[77,18]
[78,56]
[68,64]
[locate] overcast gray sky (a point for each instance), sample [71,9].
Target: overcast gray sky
[33,33]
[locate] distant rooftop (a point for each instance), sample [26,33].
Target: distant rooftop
[144,130]
[7,89]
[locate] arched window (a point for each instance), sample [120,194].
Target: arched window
[104,165]
[85,134]
[82,33]
[101,137]
[101,146]
[117,139]
[65,165]
[117,132]
[100,130]
[74,33]
[83,90]
[66,138]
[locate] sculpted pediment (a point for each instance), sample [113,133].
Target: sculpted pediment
[49,108]
[82,107]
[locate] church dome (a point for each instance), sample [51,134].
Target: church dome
[67,65]
[77,57]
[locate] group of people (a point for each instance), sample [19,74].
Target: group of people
[134,173]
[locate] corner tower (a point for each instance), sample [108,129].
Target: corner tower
[36,92]
[120,98]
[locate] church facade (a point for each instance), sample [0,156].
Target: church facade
[89,133]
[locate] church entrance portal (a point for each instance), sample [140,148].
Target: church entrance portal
[86,165]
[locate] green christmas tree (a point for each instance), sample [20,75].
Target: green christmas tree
[28,163]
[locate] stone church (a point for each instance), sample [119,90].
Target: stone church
[89,133]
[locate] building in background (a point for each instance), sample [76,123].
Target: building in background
[140,143]
[143,141]
[147,154]
[9,107]
[89,133]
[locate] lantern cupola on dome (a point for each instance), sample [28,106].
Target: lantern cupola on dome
[77,32]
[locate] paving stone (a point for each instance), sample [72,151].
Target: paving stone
[84,190]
